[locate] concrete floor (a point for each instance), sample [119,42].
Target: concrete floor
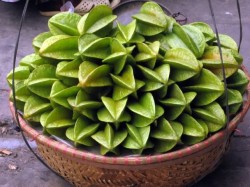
[235,168]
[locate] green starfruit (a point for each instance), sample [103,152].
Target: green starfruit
[41,79]
[119,57]
[98,21]
[60,93]
[211,60]
[84,104]
[64,23]
[59,47]
[127,33]
[34,60]
[109,140]
[68,69]
[183,64]
[148,54]
[34,107]
[207,86]
[205,29]
[156,79]
[92,75]
[193,131]
[151,19]
[227,42]
[57,121]
[67,72]
[145,111]
[39,39]
[192,37]
[234,101]
[22,94]
[166,136]
[82,131]
[213,115]
[238,81]
[21,73]
[113,111]
[138,139]
[89,44]
[175,102]
[125,84]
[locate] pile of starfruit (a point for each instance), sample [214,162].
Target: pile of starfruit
[150,86]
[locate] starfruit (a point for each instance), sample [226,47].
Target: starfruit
[238,81]
[189,96]
[113,111]
[34,60]
[98,21]
[20,74]
[109,140]
[125,84]
[64,24]
[207,86]
[145,111]
[34,107]
[41,79]
[234,101]
[227,42]
[149,86]
[191,37]
[67,72]
[84,104]
[183,64]
[166,136]
[213,115]
[178,128]
[205,29]
[57,121]
[60,93]
[137,139]
[92,75]
[197,40]
[165,42]
[156,79]
[22,93]
[89,44]
[127,34]
[119,56]
[82,131]
[148,54]
[237,56]
[39,39]
[172,41]
[68,69]
[176,102]
[194,131]
[151,19]
[211,60]
[60,47]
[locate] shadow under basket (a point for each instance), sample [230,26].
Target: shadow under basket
[183,167]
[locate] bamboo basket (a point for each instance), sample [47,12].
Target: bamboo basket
[183,167]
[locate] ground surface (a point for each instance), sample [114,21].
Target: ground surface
[22,169]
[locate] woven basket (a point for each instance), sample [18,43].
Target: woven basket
[183,167]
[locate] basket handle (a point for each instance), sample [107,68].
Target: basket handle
[14,93]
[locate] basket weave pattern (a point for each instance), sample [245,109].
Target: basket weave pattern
[172,173]
[183,167]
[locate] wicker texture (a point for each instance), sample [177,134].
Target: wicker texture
[183,167]
[181,172]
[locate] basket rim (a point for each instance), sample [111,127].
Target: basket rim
[216,138]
